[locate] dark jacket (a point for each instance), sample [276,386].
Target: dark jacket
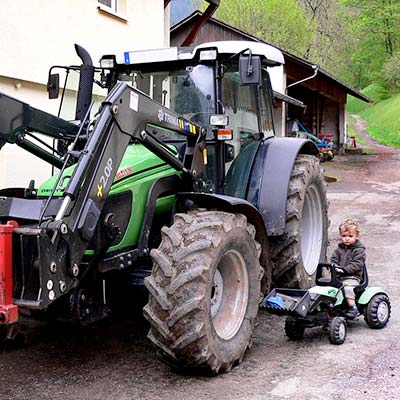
[350,258]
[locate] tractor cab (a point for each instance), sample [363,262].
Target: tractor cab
[222,86]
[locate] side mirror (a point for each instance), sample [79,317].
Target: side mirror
[53,85]
[250,70]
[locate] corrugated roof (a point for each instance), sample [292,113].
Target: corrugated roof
[346,88]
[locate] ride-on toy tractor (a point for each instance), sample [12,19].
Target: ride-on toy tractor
[324,305]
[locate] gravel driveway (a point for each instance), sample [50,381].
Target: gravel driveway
[115,360]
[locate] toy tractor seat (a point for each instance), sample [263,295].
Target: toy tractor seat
[333,280]
[358,290]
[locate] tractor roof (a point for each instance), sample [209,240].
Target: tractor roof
[273,55]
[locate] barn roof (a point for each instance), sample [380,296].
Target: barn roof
[195,16]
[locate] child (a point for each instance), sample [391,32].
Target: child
[349,258]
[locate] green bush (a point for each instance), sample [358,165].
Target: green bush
[391,73]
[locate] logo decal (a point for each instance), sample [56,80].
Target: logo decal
[169,118]
[123,172]
[104,178]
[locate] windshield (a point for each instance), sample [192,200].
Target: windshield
[188,90]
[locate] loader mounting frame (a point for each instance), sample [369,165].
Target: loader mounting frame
[8,310]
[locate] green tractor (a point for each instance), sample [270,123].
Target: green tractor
[177,183]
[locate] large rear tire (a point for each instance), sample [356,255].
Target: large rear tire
[204,290]
[296,253]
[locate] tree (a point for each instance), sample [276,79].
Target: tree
[391,72]
[331,34]
[380,18]
[279,22]
[375,28]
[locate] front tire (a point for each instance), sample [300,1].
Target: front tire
[377,313]
[297,252]
[337,330]
[204,290]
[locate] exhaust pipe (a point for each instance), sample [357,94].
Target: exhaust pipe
[85,83]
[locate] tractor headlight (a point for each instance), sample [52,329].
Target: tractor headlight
[219,119]
[107,62]
[208,55]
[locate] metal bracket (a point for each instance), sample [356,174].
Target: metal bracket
[8,310]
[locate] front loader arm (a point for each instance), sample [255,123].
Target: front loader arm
[18,118]
[126,114]
[61,241]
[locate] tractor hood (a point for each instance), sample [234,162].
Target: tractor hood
[137,159]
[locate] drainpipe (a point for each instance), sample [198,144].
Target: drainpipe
[315,68]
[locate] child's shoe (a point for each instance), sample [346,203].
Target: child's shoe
[351,312]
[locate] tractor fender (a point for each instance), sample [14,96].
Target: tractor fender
[331,293]
[233,205]
[270,176]
[339,298]
[369,293]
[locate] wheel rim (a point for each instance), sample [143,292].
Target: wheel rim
[383,311]
[229,294]
[341,331]
[311,229]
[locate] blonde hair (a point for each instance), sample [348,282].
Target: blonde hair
[349,225]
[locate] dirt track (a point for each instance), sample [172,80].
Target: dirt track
[115,361]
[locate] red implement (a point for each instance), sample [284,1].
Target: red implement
[8,310]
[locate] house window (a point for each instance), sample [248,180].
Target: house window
[112,5]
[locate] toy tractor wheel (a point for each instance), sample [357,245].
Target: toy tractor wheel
[337,330]
[377,312]
[293,329]
[303,245]
[204,290]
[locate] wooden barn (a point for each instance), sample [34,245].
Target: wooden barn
[308,93]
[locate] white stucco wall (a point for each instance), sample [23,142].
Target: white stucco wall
[278,82]
[37,34]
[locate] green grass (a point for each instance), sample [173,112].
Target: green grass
[384,121]
[374,91]
[383,116]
